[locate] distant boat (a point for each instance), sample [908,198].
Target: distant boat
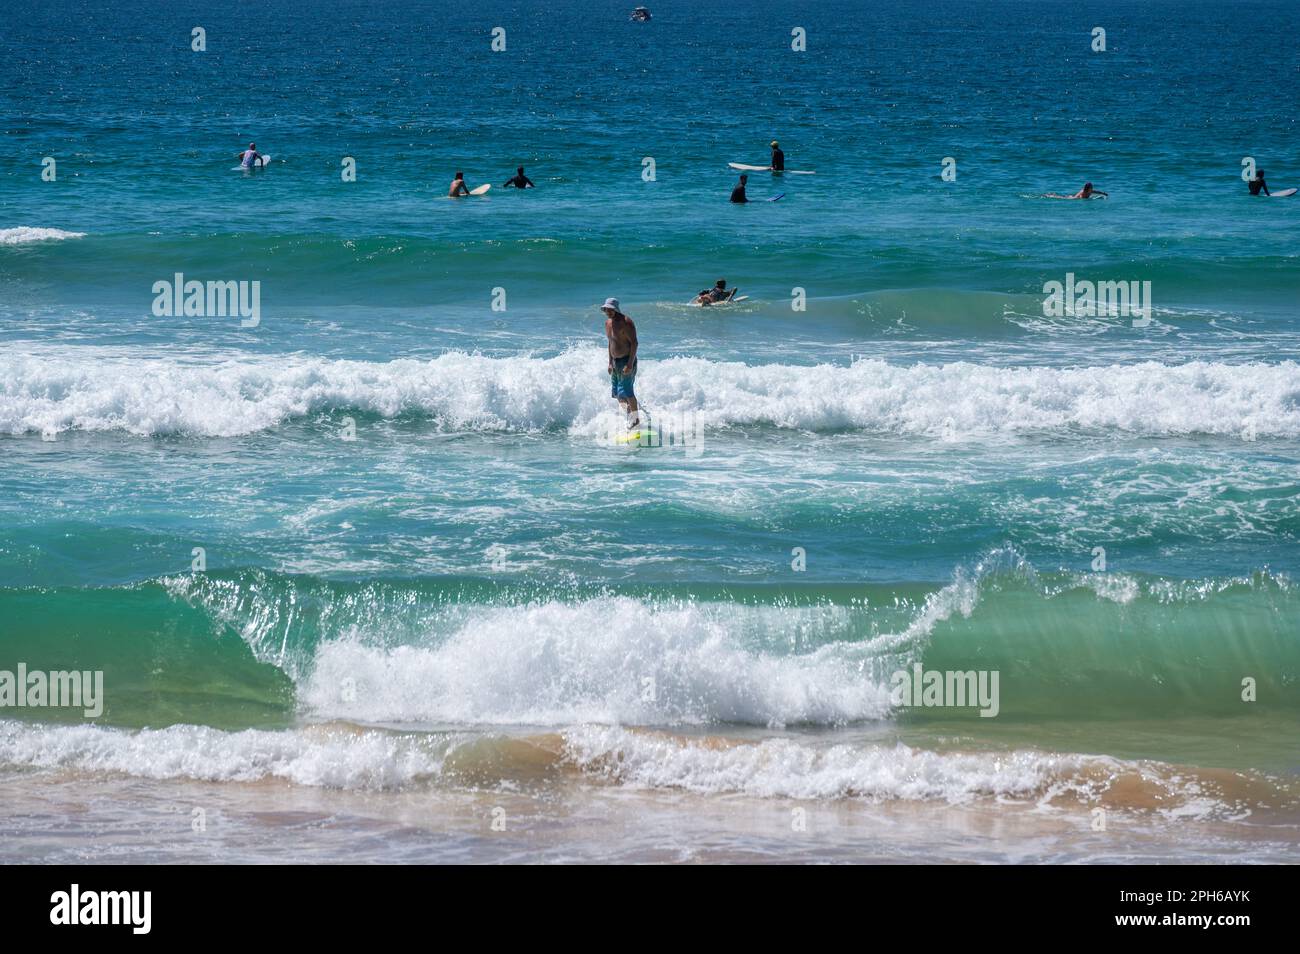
[640,14]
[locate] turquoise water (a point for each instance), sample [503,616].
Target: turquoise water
[412,518]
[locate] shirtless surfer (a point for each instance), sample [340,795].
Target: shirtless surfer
[458,187]
[1087,192]
[620,333]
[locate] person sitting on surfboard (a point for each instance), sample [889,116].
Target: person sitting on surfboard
[620,333]
[715,294]
[1087,192]
[249,156]
[1257,184]
[458,187]
[519,180]
[738,193]
[778,157]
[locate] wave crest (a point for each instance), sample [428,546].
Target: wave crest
[469,392]
[26,234]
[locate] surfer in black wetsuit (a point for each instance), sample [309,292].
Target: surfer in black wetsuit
[738,193]
[1257,184]
[778,157]
[519,180]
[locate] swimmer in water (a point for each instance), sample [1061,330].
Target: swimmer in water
[1087,192]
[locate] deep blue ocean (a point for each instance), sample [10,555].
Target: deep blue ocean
[384,527]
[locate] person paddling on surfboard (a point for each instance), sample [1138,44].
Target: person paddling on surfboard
[778,157]
[519,180]
[718,293]
[1257,184]
[738,193]
[1087,192]
[620,334]
[250,156]
[458,187]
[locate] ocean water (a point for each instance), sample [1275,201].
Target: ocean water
[368,580]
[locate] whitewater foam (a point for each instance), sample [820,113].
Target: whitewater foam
[26,234]
[613,660]
[787,768]
[336,756]
[59,391]
[321,756]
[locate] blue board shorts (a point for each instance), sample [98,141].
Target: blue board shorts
[620,382]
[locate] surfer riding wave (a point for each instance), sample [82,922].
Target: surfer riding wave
[620,334]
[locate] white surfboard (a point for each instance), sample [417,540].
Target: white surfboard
[1283,194]
[266,161]
[728,301]
[790,172]
[480,190]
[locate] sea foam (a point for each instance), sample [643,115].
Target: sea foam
[26,234]
[51,393]
[611,659]
[339,756]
